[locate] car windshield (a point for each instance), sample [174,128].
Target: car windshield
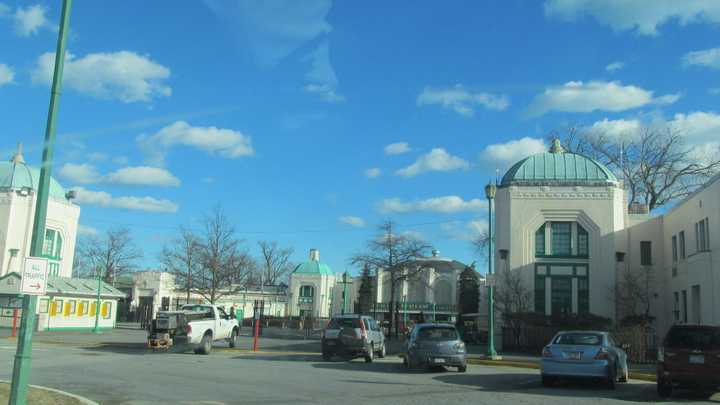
[437,334]
[579,339]
[340,323]
[693,338]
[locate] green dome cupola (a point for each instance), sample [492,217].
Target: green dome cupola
[558,167]
[313,266]
[15,174]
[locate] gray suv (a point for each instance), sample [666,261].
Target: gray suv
[353,336]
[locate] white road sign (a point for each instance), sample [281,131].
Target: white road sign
[34,276]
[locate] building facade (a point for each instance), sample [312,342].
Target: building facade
[311,288]
[563,222]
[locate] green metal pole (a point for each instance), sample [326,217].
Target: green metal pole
[434,312]
[344,302]
[21,366]
[404,311]
[96,329]
[491,259]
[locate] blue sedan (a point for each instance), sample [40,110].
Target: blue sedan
[583,354]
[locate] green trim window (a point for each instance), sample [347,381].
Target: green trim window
[53,268]
[583,295]
[645,253]
[307,293]
[44,304]
[561,298]
[52,245]
[682,244]
[674,248]
[561,236]
[540,241]
[582,241]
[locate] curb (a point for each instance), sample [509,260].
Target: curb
[82,400]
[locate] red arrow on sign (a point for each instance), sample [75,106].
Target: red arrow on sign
[36,286]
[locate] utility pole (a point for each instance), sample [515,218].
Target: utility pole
[96,329]
[344,292]
[21,366]
[490,191]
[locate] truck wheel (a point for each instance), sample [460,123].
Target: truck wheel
[370,354]
[232,342]
[205,344]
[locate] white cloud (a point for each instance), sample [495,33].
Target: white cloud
[226,143]
[7,74]
[615,128]
[466,231]
[446,205]
[106,200]
[373,173]
[29,20]
[461,100]
[594,95]
[502,155]
[615,66]
[80,173]
[326,92]
[698,127]
[397,148]
[352,221]
[84,230]
[273,29]
[714,91]
[437,160]
[139,175]
[97,157]
[123,75]
[644,16]
[708,58]
[120,160]
[143,176]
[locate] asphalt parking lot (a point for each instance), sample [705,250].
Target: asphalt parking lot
[133,375]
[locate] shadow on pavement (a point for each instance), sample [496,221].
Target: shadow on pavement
[529,383]
[360,365]
[280,357]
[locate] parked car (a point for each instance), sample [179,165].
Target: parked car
[196,326]
[583,354]
[435,345]
[353,336]
[689,356]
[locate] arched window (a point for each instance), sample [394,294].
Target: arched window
[307,291]
[540,241]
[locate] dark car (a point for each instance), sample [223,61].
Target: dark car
[353,336]
[689,357]
[432,345]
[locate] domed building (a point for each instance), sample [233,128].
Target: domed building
[18,192]
[563,222]
[311,288]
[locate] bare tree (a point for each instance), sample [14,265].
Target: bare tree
[224,265]
[634,293]
[275,262]
[397,257]
[480,244]
[512,298]
[656,164]
[113,254]
[182,258]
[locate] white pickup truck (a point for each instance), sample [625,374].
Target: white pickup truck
[197,326]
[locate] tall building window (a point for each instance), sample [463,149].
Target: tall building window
[646,253]
[52,245]
[561,237]
[676,306]
[306,293]
[674,248]
[682,244]
[684,306]
[702,235]
[540,294]
[540,241]
[582,241]
[561,295]
[583,296]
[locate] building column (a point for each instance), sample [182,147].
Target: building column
[548,295]
[574,295]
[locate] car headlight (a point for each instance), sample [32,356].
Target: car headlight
[460,348]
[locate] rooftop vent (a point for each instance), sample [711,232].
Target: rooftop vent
[314,255]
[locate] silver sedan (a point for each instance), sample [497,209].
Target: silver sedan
[583,354]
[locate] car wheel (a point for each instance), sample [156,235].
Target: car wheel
[547,381]
[382,352]
[462,369]
[624,376]
[326,356]
[612,378]
[233,341]
[664,388]
[370,354]
[205,344]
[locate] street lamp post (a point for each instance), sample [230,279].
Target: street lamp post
[96,329]
[21,366]
[490,191]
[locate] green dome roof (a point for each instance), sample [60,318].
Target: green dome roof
[558,167]
[16,174]
[313,266]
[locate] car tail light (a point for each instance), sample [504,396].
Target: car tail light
[546,352]
[188,329]
[363,332]
[602,354]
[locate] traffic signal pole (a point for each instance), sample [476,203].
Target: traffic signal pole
[21,366]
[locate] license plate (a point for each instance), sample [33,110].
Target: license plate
[697,359]
[573,355]
[439,361]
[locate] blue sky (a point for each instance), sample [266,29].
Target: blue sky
[311,122]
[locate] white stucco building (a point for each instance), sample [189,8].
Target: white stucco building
[311,288]
[562,221]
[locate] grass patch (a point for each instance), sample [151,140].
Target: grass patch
[38,396]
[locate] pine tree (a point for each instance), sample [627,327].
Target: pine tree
[468,291]
[365,298]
